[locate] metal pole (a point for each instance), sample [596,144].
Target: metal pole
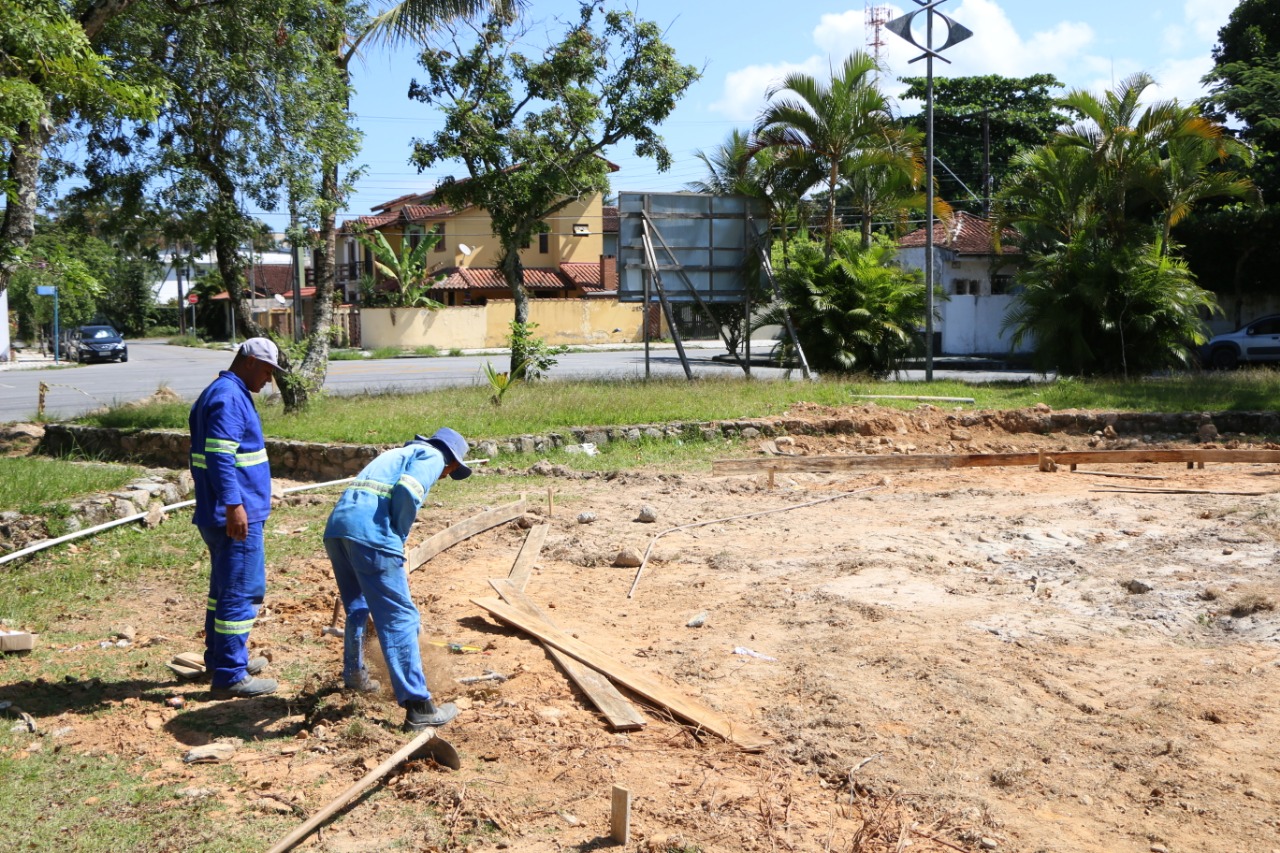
[928,250]
[56,331]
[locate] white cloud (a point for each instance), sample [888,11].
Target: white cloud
[1206,17]
[1067,49]
[744,89]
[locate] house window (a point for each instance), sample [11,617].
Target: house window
[544,243]
[415,236]
[440,247]
[966,287]
[1001,284]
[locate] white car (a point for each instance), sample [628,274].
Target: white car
[1254,342]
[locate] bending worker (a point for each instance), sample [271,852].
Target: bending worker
[233,499]
[365,539]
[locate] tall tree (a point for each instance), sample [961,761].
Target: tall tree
[1239,246]
[50,69]
[1104,289]
[1003,115]
[837,129]
[531,130]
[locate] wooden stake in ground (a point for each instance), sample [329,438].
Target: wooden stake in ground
[454,534]
[620,816]
[638,682]
[427,742]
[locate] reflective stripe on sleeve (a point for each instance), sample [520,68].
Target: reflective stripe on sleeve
[255,457]
[218,445]
[413,486]
[382,490]
[197,460]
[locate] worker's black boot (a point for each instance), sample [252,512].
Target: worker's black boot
[423,714]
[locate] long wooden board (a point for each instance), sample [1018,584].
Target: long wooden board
[681,706]
[528,555]
[620,713]
[820,464]
[450,536]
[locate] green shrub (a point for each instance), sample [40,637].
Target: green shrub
[386,352]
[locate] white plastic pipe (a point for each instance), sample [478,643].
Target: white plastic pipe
[49,543]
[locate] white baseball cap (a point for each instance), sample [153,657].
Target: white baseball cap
[263,349]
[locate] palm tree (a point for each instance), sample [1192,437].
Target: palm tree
[853,311]
[835,129]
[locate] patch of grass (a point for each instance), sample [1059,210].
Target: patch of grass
[428,350]
[554,406]
[346,355]
[1251,603]
[185,341]
[455,352]
[31,482]
[57,583]
[386,352]
[55,800]
[161,415]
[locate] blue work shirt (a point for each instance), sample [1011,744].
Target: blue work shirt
[378,509]
[228,454]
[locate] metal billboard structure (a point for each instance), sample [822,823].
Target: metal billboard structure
[693,248]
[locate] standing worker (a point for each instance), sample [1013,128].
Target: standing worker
[233,499]
[365,539]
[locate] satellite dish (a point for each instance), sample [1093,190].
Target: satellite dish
[464,248]
[281,299]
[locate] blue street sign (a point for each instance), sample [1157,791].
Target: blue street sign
[46,290]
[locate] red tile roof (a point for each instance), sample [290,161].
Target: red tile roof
[490,278]
[419,212]
[271,278]
[307,293]
[610,225]
[965,233]
[585,274]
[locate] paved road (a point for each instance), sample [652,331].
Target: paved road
[76,389]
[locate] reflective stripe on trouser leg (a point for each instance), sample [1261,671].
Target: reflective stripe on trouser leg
[237,584]
[385,586]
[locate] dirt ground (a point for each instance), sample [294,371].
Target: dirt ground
[977,659]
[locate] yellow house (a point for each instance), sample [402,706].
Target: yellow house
[568,261]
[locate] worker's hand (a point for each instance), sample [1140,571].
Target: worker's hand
[237,522]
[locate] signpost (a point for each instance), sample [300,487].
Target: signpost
[52,290]
[956,33]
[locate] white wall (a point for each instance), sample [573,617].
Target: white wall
[166,290]
[5,354]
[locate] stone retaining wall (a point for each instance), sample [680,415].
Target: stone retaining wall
[301,460]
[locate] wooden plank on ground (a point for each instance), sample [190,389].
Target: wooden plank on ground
[620,713]
[820,464]
[528,555]
[452,535]
[681,706]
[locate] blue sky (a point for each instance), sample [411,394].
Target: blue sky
[744,46]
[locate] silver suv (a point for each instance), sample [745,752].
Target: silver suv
[1254,342]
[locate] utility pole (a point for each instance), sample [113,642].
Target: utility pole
[986,163]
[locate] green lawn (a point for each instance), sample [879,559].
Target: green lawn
[555,405]
[30,482]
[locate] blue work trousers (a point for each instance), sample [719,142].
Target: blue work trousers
[237,584]
[373,582]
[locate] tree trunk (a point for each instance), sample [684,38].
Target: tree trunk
[315,363]
[19,224]
[513,274]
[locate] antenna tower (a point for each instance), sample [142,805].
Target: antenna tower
[876,18]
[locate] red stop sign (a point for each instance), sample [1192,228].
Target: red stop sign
[193,298]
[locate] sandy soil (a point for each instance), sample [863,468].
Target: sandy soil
[978,659]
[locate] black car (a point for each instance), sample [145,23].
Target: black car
[96,343]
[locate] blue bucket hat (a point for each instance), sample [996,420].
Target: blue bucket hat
[453,446]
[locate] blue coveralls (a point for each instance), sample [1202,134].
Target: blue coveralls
[229,466]
[365,539]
